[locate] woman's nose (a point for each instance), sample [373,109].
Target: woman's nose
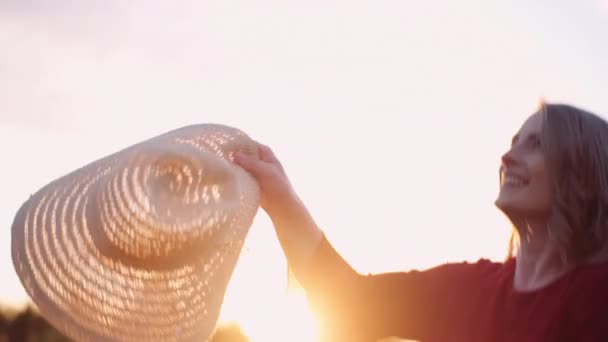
[508,158]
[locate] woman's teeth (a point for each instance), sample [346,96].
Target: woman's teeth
[514,181]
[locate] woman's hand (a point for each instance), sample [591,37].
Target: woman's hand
[277,194]
[295,227]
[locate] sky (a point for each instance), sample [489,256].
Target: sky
[390,117]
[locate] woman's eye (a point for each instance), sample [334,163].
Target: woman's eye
[534,142]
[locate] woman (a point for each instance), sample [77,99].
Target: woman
[553,286]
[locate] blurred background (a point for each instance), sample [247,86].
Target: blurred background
[390,117]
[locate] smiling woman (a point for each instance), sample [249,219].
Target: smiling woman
[564,178]
[552,289]
[524,184]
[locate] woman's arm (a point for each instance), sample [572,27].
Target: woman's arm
[297,232]
[443,303]
[351,306]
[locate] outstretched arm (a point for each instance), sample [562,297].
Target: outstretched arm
[354,307]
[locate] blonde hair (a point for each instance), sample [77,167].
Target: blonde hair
[575,147]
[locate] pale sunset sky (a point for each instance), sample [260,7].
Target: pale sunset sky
[390,117]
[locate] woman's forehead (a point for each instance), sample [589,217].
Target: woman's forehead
[533,124]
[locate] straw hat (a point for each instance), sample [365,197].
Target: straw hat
[139,245]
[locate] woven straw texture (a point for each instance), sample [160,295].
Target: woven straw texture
[139,245]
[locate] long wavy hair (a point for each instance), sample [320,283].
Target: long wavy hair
[575,147]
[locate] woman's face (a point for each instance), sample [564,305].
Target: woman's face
[525,189]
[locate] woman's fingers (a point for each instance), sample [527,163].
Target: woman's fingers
[248,162]
[269,173]
[266,154]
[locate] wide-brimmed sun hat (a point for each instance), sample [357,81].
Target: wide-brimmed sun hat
[140,245]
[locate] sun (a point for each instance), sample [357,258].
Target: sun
[288,320]
[260,299]
[285,316]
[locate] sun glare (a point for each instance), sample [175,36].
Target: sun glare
[260,299]
[285,316]
[288,320]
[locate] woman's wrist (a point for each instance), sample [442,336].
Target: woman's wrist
[287,207]
[296,229]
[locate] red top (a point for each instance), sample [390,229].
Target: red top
[468,302]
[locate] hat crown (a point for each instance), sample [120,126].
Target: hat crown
[164,202]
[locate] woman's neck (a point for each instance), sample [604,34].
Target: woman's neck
[539,262]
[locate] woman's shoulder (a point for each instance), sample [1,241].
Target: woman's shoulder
[481,264]
[484,266]
[480,271]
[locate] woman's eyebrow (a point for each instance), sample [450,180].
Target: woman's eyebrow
[514,139]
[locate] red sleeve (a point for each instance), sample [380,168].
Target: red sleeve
[420,305]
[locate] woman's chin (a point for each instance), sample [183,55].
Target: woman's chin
[510,208]
[516,212]
[502,205]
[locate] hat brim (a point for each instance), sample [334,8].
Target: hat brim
[90,295]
